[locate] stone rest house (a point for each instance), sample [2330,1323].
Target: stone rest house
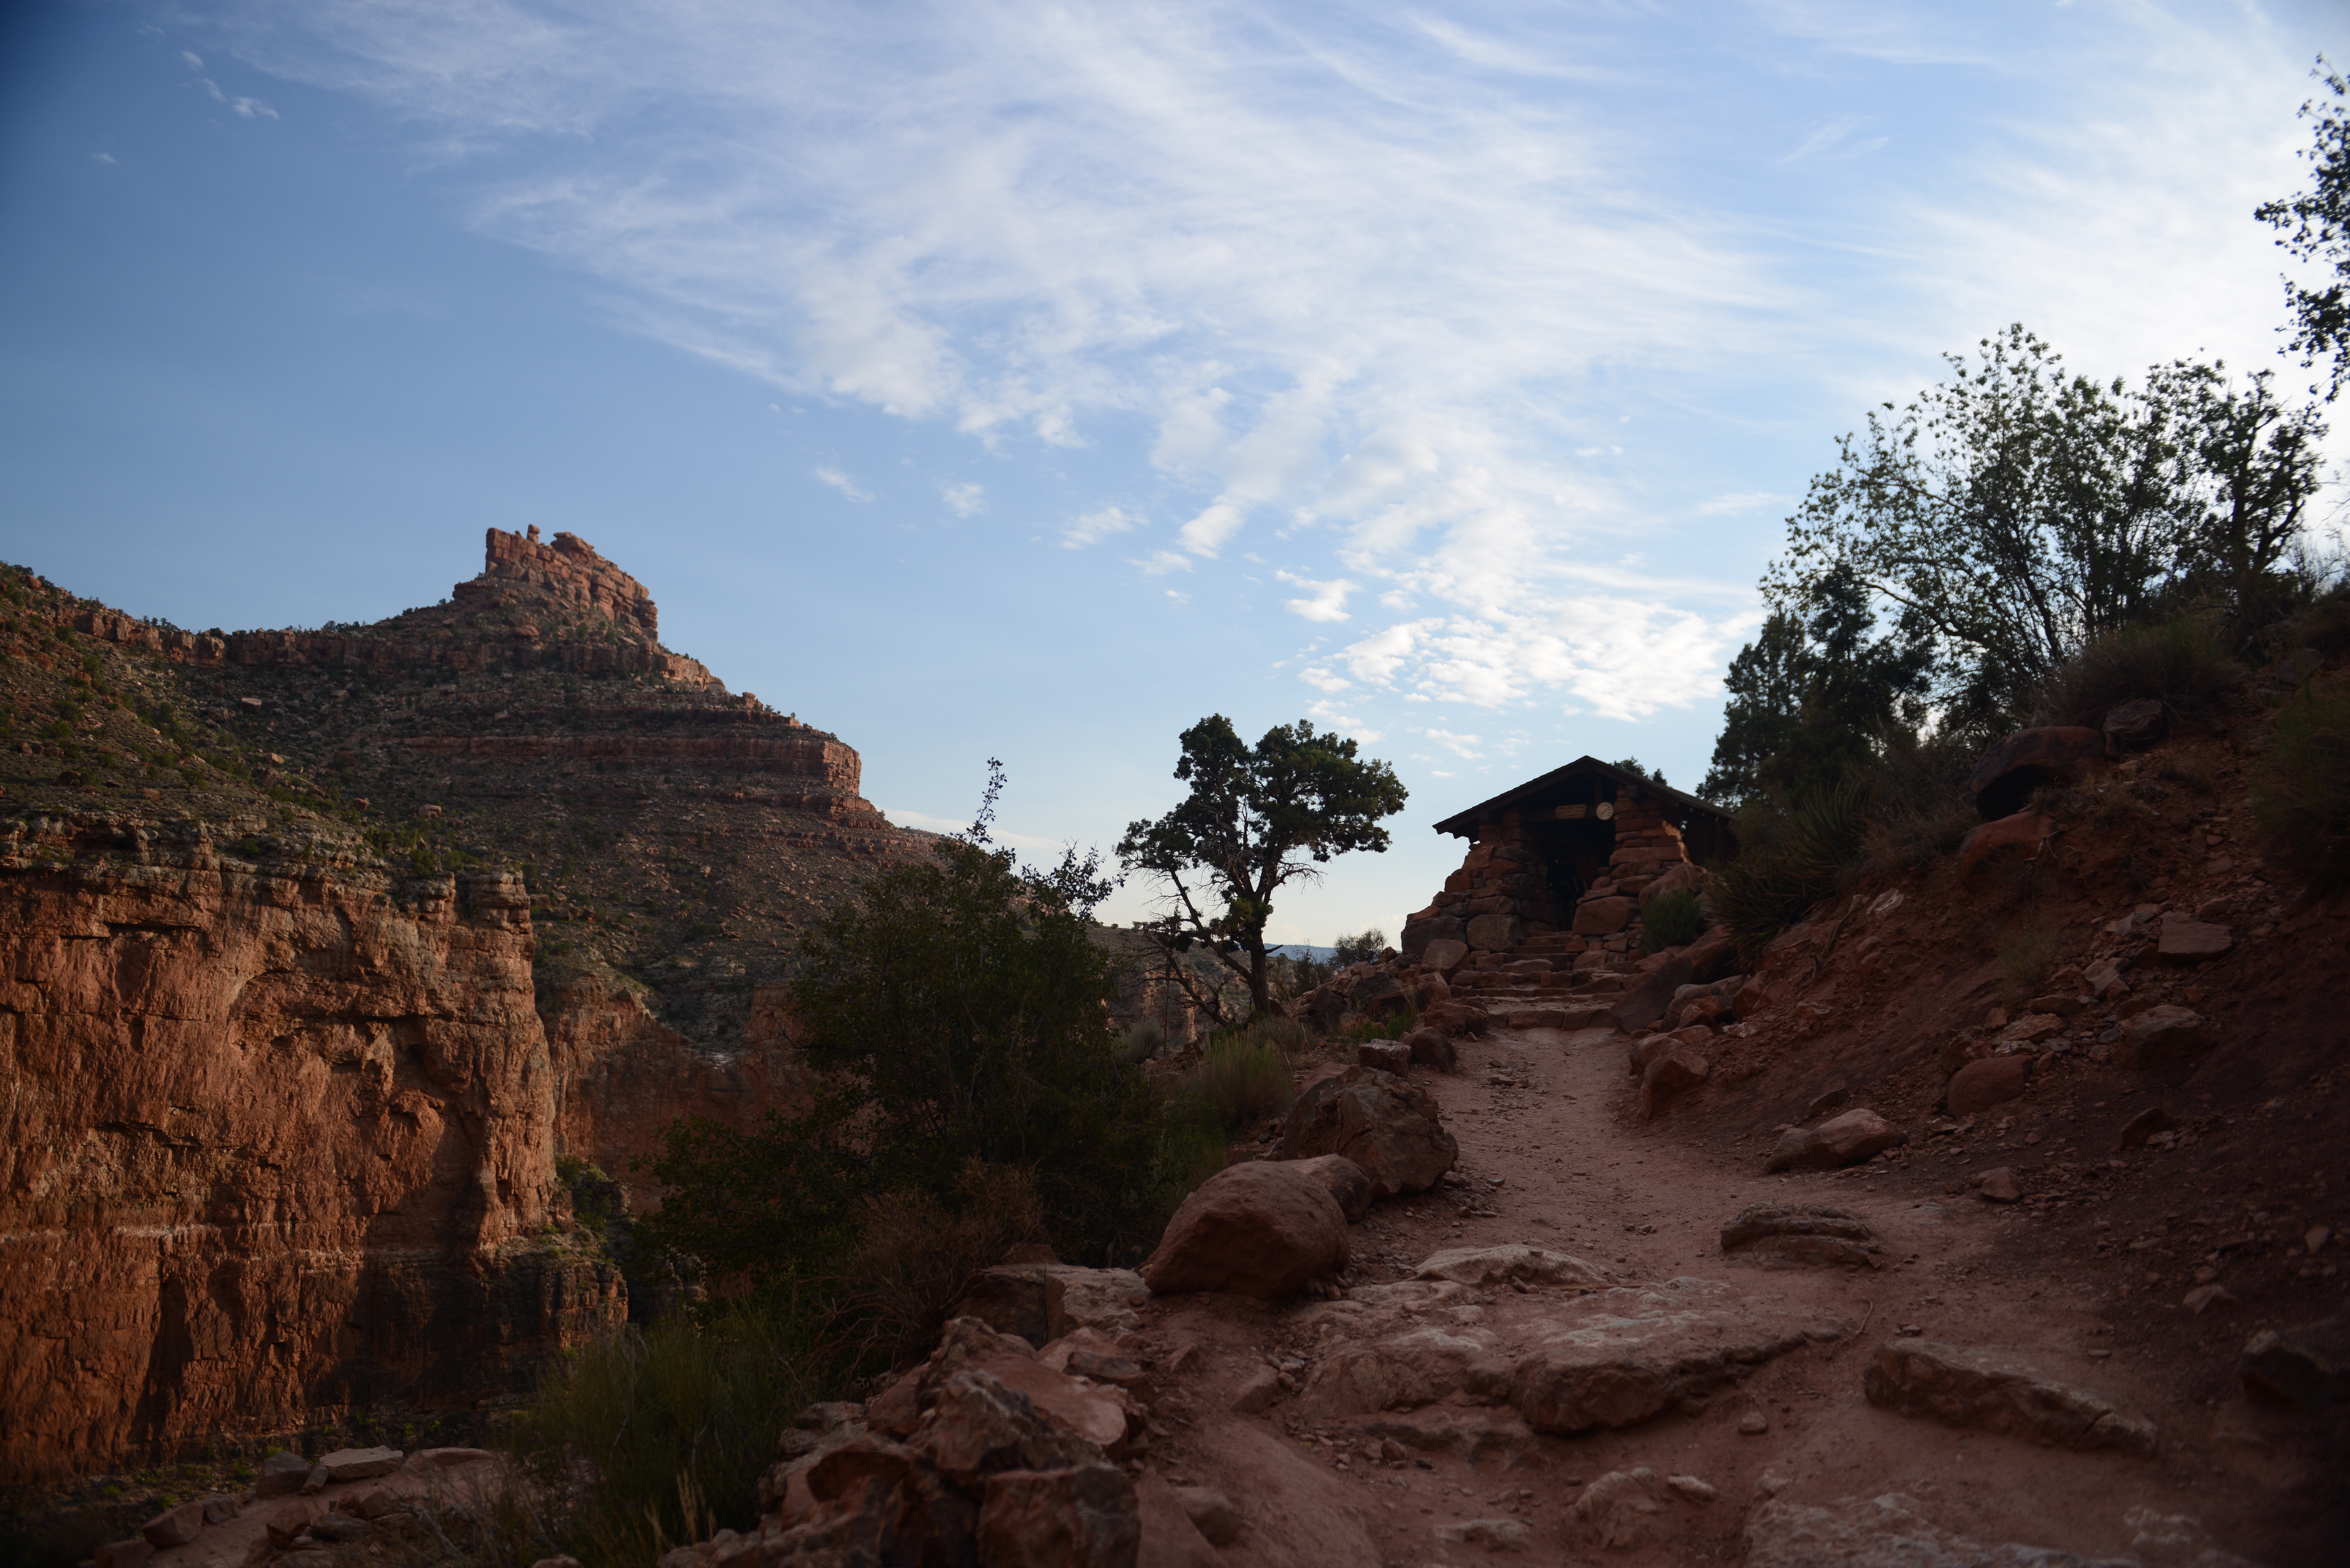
[1559,863]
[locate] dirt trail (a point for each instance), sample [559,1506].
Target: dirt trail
[1547,1115]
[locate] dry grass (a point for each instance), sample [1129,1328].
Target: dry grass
[2181,663]
[915,1253]
[2301,787]
[2025,951]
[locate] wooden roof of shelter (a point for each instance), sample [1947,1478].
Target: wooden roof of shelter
[1463,824]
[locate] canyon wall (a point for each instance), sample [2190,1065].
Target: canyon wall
[277,1141]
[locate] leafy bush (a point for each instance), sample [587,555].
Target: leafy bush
[1775,884]
[1243,1078]
[956,1011]
[2325,626]
[1361,948]
[1671,920]
[675,1422]
[1285,1035]
[2300,790]
[1919,805]
[2181,663]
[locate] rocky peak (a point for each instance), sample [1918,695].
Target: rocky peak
[568,571]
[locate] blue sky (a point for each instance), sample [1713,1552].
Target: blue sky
[1032,380]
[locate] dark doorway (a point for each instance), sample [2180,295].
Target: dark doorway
[1574,854]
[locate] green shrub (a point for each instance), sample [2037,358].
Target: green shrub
[1771,887]
[1671,920]
[2181,663]
[1196,1145]
[1243,1079]
[1919,805]
[1145,1038]
[1361,948]
[1285,1035]
[2301,787]
[675,1423]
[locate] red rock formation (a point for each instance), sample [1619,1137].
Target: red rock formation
[275,1145]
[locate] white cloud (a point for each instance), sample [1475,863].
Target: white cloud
[1321,679]
[103,157]
[195,63]
[1098,525]
[966,499]
[1344,724]
[1459,745]
[923,819]
[1738,501]
[1327,601]
[844,483]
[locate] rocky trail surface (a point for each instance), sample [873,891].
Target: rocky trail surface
[1444,1449]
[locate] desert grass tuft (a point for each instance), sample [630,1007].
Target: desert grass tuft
[2181,663]
[1671,920]
[2301,787]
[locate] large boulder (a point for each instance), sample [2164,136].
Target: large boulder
[1456,1018]
[1855,1136]
[1681,877]
[2023,830]
[1420,935]
[1258,1229]
[1024,1299]
[1387,1125]
[1343,1180]
[1497,930]
[2162,1034]
[1993,1081]
[1603,916]
[1710,958]
[1444,954]
[1677,1067]
[2004,779]
[2134,726]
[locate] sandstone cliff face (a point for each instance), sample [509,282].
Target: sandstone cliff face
[275,1141]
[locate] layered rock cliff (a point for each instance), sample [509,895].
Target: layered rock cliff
[322,947]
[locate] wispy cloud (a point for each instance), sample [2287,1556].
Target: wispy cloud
[103,157]
[965,499]
[844,483]
[1098,525]
[250,108]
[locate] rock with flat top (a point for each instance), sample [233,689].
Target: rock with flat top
[2134,726]
[1428,1046]
[358,1464]
[2163,1033]
[2187,940]
[1080,1516]
[1387,1056]
[1211,1513]
[1444,954]
[2024,832]
[281,1475]
[2309,1367]
[1492,1534]
[1780,1234]
[1999,1186]
[1884,1531]
[1260,1228]
[1994,1393]
[1483,1267]
[1626,1509]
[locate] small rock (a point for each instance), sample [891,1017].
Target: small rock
[2316,1236]
[174,1527]
[1084,1516]
[2135,726]
[316,1482]
[124,1554]
[1674,1070]
[2187,940]
[1496,1535]
[1753,1424]
[282,1525]
[2162,1033]
[1884,1531]
[1023,1300]
[1257,1392]
[1993,1081]
[565,1562]
[1998,1186]
[2144,1125]
[446,1458]
[340,1528]
[1387,1056]
[1787,1233]
[1857,1135]
[219,1508]
[281,1475]
[1623,1509]
[1690,1489]
[2105,979]
[1210,1512]
[2203,1298]
[2308,1367]
[1430,1047]
[1827,1100]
